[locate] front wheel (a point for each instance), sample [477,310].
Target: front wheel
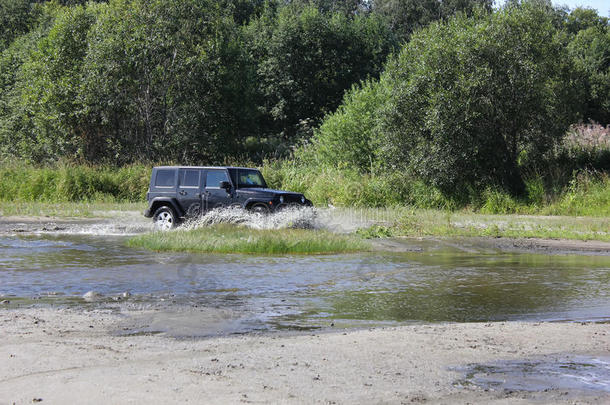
[164,219]
[260,209]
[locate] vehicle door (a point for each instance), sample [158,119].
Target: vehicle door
[189,193]
[214,196]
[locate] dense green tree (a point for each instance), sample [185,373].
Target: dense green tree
[307,58]
[581,19]
[590,50]
[243,10]
[348,138]
[347,7]
[39,104]
[166,80]
[16,18]
[129,80]
[406,16]
[473,97]
[467,102]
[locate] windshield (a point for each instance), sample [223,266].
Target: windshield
[246,178]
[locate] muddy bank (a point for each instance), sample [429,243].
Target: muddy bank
[70,356]
[491,245]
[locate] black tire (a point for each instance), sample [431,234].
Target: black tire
[165,218]
[194,211]
[259,208]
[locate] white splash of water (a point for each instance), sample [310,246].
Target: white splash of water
[106,229]
[288,218]
[119,227]
[330,219]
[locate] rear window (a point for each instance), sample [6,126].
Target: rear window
[165,178]
[189,178]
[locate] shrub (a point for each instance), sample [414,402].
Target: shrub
[498,202]
[587,195]
[69,182]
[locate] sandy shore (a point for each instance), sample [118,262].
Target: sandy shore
[72,356]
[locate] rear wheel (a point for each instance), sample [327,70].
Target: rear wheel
[164,218]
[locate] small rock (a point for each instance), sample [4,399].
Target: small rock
[37,400]
[92,296]
[52,228]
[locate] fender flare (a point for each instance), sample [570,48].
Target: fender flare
[251,201]
[159,201]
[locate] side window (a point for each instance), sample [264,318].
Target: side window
[165,178]
[214,177]
[189,178]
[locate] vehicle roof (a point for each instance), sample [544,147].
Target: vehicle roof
[203,167]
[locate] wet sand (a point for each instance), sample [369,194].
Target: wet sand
[73,356]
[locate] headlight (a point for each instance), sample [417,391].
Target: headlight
[281,199]
[302,199]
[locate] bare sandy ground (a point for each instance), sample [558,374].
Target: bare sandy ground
[61,356]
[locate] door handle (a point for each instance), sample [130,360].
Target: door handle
[182,192]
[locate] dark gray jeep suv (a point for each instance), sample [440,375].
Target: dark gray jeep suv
[179,192]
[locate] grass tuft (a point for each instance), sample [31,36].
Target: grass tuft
[421,223]
[226,238]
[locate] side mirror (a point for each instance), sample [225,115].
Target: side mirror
[226,185]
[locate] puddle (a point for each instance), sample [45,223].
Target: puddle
[557,372]
[184,323]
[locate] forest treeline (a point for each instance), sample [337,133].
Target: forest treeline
[189,80]
[452,93]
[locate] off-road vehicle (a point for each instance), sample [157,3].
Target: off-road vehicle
[176,193]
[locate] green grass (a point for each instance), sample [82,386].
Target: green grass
[73,183]
[236,239]
[417,223]
[587,194]
[584,194]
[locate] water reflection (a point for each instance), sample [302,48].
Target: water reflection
[462,286]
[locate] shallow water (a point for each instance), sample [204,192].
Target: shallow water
[558,372]
[431,281]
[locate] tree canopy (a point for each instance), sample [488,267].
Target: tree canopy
[469,101]
[453,92]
